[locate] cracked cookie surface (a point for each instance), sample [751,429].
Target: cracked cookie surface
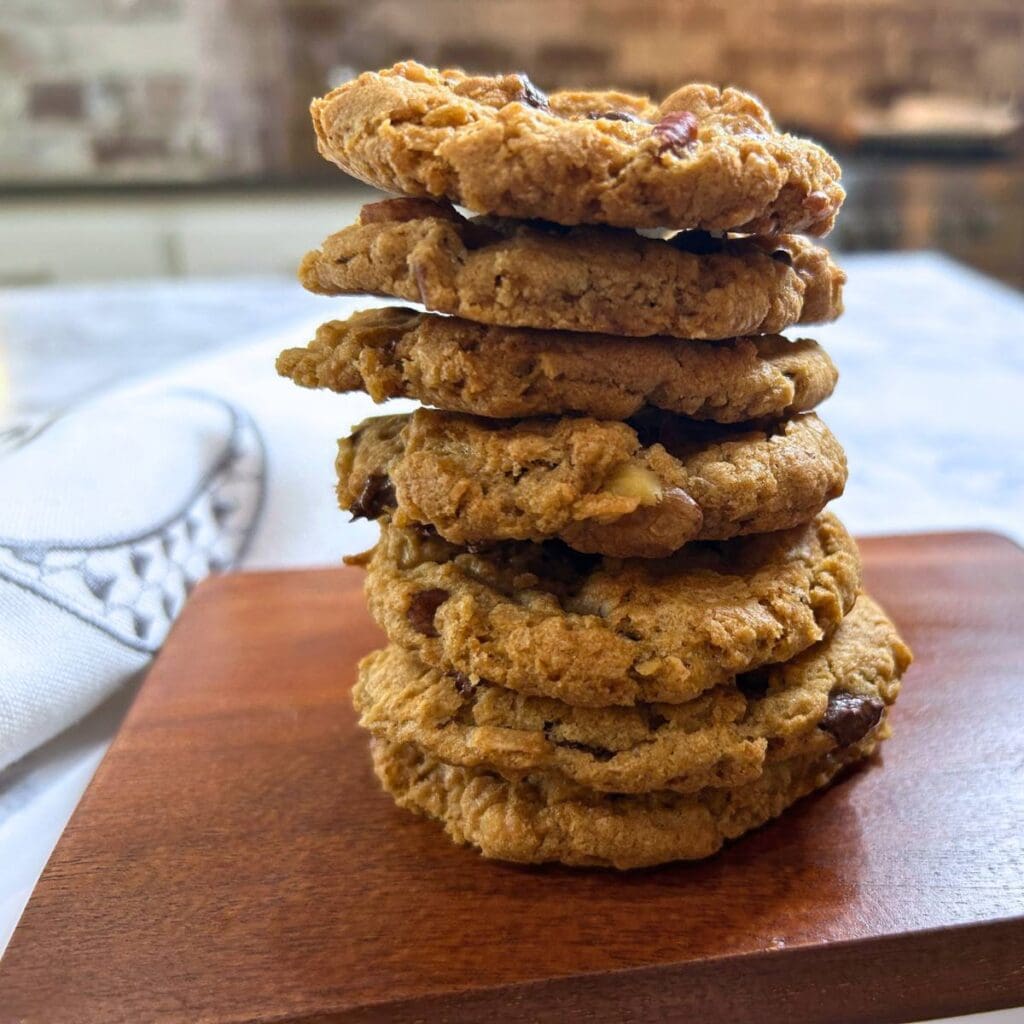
[542,818]
[638,489]
[833,694]
[702,158]
[460,366]
[592,631]
[498,271]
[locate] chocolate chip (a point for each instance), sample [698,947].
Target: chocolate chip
[547,226]
[849,717]
[390,346]
[754,685]
[377,495]
[464,684]
[676,131]
[700,243]
[530,94]
[783,256]
[653,720]
[597,753]
[476,236]
[612,115]
[422,609]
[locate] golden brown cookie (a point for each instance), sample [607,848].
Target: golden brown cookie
[593,631]
[543,818]
[461,366]
[532,274]
[702,158]
[639,489]
[832,695]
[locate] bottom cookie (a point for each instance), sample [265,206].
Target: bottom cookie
[543,818]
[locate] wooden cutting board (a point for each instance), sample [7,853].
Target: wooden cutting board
[234,860]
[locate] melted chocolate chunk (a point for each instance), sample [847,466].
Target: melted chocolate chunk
[390,345]
[549,227]
[754,685]
[422,609]
[377,495]
[463,684]
[651,717]
[850,717]
[476,236]
[597,753]
[675,132]
[612,115]
[700,243]
[530,94]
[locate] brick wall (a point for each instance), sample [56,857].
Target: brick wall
[114,90]
[205,89]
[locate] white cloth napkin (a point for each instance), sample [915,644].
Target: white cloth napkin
[111,513]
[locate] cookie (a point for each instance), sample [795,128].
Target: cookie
[516,274]
[832,695]
[461,366]
[592,631]
[540,819]
[639,489]
[702,158]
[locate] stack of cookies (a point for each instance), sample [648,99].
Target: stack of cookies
[622,627]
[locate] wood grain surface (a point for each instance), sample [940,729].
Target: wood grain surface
[234,860]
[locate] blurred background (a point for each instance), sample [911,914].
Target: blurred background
[168,141]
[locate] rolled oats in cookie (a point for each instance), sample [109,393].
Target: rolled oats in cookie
[461,366]
[543,818]
[724,737]
[638,489]
[702,158]
[534,274]
[545,620]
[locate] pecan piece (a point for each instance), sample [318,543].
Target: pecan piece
[405,209]
[651,531]
[676,131]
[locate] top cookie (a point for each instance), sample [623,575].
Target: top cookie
[497,271]
[702,158]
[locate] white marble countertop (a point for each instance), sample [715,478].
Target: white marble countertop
[929,409]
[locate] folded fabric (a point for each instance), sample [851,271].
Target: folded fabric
[111,513]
